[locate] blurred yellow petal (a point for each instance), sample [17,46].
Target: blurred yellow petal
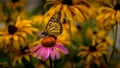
[16,45]
[15,37]
[27,25]
[62,16]
[32,29]
[15,60]
[82,54]
[89,57]
[18,20]
[28,32]
[22,23]
[101,33]
[118,15]
[24,34]
[22,41]
[78,13]
[27,57]
[19,59]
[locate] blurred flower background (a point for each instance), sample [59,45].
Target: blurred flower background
[88,37]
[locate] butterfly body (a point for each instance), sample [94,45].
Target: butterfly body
[54,26]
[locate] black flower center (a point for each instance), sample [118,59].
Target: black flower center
[79,27]
[12,29]
[23,50]
[14,1]
[94,32]
[104,40]
[68,2]
[92,48]
[117,6]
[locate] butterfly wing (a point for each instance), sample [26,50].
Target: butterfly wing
[53,27]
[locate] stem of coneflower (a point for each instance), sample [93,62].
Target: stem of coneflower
[50,61]
[71,42]
[113,50]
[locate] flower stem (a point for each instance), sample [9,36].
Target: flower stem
[113,50]
[71,43]
[50,60]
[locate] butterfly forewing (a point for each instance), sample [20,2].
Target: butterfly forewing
[53,27]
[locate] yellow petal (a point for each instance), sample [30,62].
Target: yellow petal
[83,53]
[33,29]
[24,34]
[15,60]
[101,33]
[28,25]
[107,15]
[20,59]
[16,45]
[21,24]
[15,37]
[68,13]
[117,14]
[78,13]
[22,41]
[8,37]
[89,58]
[27,57]
[18,20]
[62,16]
[2,33]
[28,32]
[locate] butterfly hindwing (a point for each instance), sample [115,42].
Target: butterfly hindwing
[53,27]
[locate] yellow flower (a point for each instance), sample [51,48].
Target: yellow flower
[97,61]
[106,41]
[10,19]
[23,53]
[68,8]
[16,4]
[91,33]
[99,36]
[92,52]
[94,34]
[17,34]
[109,15]
[10,13]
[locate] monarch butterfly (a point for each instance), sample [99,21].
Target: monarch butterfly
[54,26]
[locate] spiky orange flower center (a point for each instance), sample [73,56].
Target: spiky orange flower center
[48,41]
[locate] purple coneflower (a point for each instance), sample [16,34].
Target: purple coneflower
[48,48]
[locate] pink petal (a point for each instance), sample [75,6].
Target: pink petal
[62,48]
[47,53]
[56,53]
[33,53]
[35,47]
[40,52]
[44,54]
[52,54]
